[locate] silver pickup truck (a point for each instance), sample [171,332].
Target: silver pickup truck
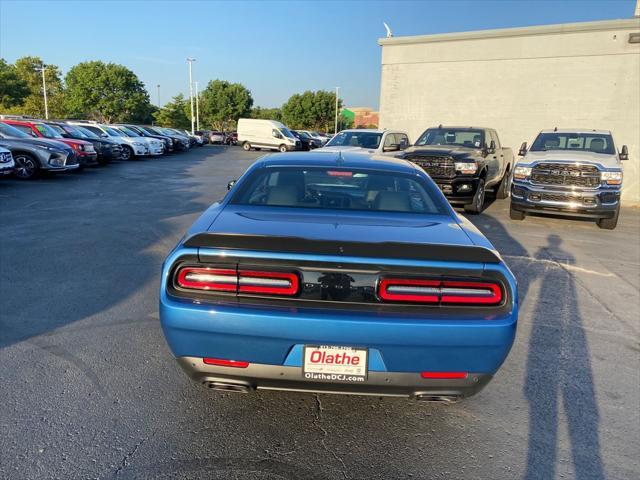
[572,173]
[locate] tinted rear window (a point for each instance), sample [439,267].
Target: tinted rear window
[342,189]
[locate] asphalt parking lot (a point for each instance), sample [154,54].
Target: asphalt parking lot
[89,388]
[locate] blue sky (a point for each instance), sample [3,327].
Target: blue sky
[276,49]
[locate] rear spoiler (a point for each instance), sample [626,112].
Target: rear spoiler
[415,251]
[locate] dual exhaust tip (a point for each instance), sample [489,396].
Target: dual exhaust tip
[227,387]
[240,388]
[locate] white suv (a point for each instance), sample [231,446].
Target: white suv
[131,147]
[156,147]
[384,142]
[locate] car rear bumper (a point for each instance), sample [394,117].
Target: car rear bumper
[291,378]
[400,347]
[588,203]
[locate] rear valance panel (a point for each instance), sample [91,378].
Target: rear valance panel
[392,250]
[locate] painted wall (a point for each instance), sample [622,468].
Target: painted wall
[519,81]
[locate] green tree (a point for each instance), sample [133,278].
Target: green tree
[173,114]
[223,103]
[266,113]
[106,92]
[13,89]
[28,69]
[311,110]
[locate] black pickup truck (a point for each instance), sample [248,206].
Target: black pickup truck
[465,162]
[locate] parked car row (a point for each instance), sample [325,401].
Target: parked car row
[37,145]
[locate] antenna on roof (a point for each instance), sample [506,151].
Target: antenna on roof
[555,129]
[440,127]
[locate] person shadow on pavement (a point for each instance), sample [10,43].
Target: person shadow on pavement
[559,375]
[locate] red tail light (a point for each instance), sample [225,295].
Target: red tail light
[214,279]
[443,375]
[411,290]
[271,283]
[243,281]
[219,362]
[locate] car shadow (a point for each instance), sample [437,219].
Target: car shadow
[75,245]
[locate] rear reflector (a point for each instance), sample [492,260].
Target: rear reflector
[411,290]
[243,281]
[219,362]
[443,375]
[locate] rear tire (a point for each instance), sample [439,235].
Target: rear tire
[515,214]
[246,146]
[503,190]
[27,167]
[282,148]
[476,206]
[609,223]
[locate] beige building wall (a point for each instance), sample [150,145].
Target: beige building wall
[519,81]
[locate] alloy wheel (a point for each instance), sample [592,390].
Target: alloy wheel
[25,167]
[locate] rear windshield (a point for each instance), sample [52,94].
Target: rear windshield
[320,188]
[590,142]
[356,139]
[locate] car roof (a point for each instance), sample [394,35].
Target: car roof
[576,130]
[337,160]
[459,127]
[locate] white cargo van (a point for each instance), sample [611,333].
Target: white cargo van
[257,133]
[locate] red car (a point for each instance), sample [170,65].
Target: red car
[84,150]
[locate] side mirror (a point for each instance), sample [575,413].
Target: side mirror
[523,149]
[394,147]
[104,135]
[404,143]
[231,184]
[624,153]
[491,148]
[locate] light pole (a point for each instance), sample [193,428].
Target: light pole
[197,108]
[335,130]
[44,91]
[158,86]
[191,60]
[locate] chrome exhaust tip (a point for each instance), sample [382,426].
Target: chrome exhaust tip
[449,399]
[226,387]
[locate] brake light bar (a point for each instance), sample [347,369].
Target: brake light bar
[411,290]
[272,283]
[197,278]
[242,281]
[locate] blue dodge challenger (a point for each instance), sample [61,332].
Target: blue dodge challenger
[341,273]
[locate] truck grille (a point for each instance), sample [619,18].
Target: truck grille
[565,174]
[435,165]
[557,197]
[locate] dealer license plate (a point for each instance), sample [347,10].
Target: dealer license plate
[335,364]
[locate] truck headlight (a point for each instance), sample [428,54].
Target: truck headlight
[612,178]
[466,167]
[520,173]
